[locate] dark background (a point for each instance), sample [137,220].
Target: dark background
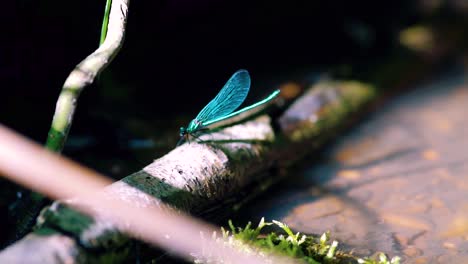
[177,54]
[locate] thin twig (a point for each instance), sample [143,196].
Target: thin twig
[82,76]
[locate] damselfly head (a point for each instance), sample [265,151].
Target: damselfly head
[183,136]
[182,131]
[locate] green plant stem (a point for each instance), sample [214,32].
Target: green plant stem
[105,22]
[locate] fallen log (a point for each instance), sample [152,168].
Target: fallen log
[196,176]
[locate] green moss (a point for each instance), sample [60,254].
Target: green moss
[45,232]
[307,249]
[338,101]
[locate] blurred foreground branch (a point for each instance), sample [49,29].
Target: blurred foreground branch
[82,76]
[60,178]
